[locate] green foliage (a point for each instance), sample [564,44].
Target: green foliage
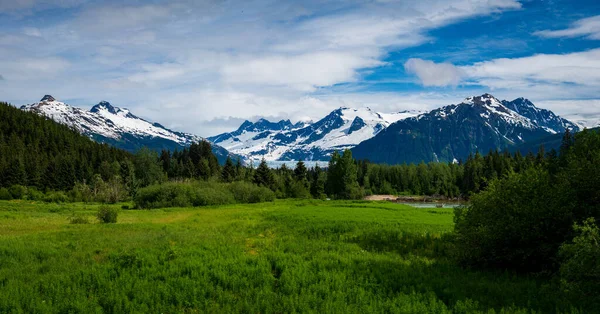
[18,191]
[263,176]
[147,168]
[5,194]
[175,194]
[56,197]
[520,221]
[228,172]
[35,151]
[107,214]
[245,192]
[78,219]
[34,195]
[342,177]
[580,264]
[503,225]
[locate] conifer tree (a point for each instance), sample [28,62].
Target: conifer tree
[263,175]
[228,172]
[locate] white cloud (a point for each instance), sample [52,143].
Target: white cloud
[210,59]
[547,76]
[434,74]
[588,27]
[580,71]
[303,72]
[32,31]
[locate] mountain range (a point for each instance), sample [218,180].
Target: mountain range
[450,133]
[116,126]
[284,141]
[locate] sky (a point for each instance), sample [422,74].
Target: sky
[206,66]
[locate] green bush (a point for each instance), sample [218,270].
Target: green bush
[245,192]
[107,214]
[503,226]
[18,191]
[56,197]
[78,219]
[580,267]
[176,194]
[5,194]
[34,195]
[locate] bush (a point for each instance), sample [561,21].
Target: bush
[175,194]
[18,191]
[505,224]
[78,219]
[34,195]
[580,267]
[245,192]
[56,197]
[5,194]
[107,214]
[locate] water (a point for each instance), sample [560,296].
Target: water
[432,205]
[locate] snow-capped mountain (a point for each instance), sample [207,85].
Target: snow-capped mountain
[280,141]
[588,120]
[116,126]
[479,123]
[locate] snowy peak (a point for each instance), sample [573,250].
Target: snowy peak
[106,121]
[340,129]
[541,117]
[105,106]
[479,123]
[47,98]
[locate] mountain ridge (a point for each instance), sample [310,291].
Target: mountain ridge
[451,133]
[284,141]
[116,126]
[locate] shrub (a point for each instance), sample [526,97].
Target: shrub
[80,193]
[5,194]
[580,267]
[34,195]
[78,219]
[107,214]
[245,192]
[175,194]
[56,197]
[18,191]
[503,225]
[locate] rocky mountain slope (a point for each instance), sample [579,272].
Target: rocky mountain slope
[452,132]
[116,126]
[281,141]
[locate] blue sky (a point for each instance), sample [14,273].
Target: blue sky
[205,66]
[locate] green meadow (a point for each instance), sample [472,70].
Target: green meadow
[281,257]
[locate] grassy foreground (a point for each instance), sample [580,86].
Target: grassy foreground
[281,257]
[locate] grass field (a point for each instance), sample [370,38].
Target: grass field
[281,257]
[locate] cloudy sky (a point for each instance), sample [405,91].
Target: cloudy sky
[205,66]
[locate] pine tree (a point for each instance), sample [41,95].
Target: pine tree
[317,186]
[228,172]
[301,173]
[263,175]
